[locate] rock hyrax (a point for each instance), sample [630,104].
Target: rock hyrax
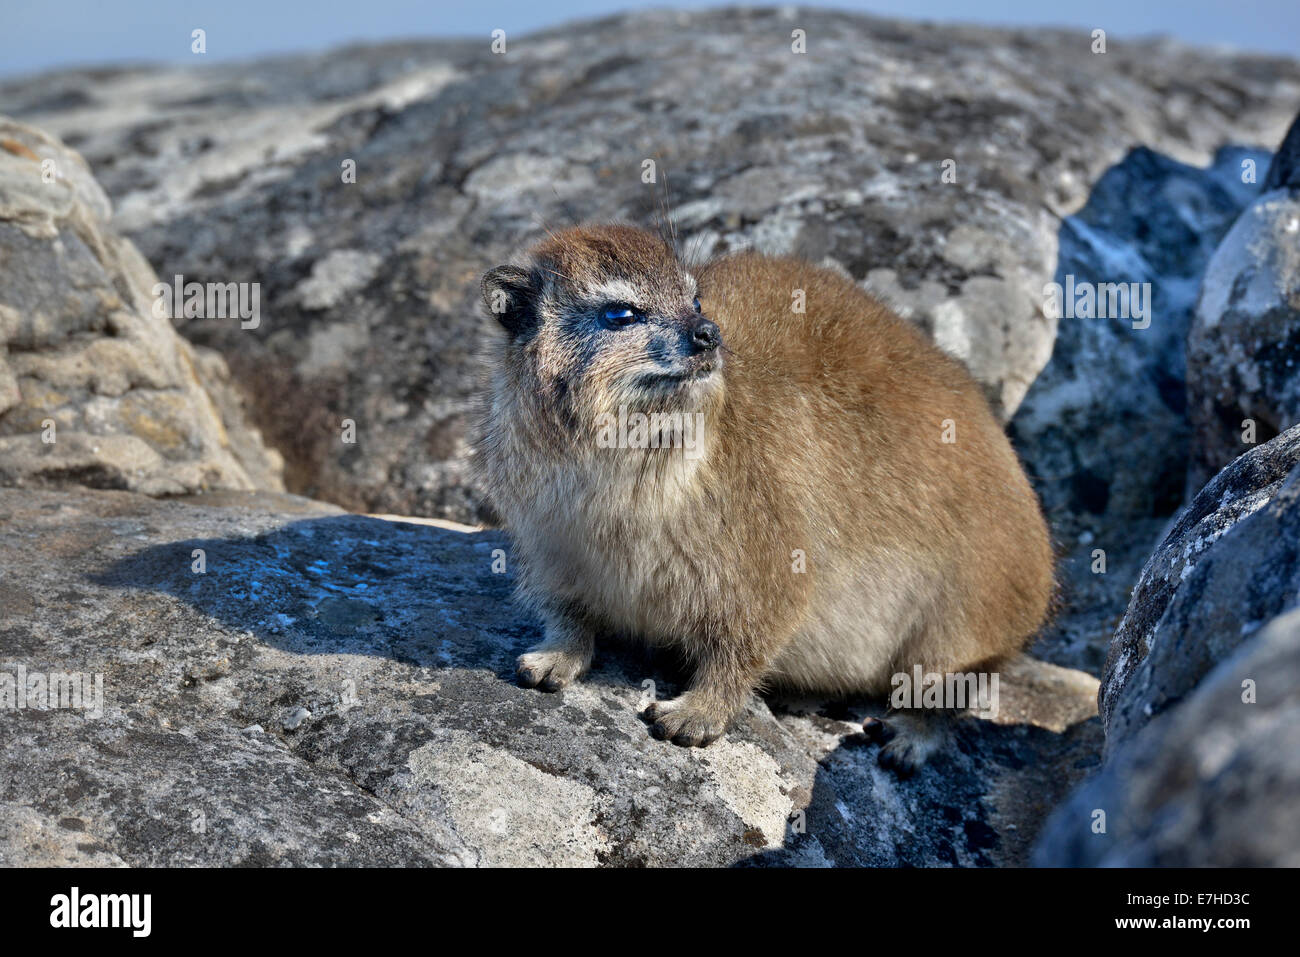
[814,498]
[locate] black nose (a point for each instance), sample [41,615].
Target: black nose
[705,335]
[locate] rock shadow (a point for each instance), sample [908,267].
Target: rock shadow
[421,595]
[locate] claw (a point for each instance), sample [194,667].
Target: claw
[547,670]
[682,723]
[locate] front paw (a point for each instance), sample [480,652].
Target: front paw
[684,722]
[549,669]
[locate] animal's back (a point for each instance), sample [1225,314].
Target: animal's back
[923,540]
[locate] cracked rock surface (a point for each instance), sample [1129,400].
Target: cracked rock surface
[95,388]
[336,689]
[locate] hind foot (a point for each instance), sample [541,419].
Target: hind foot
[908,739]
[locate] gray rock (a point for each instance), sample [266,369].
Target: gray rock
[1229,564]
[234,173]
[398,641]
[1213,783]
[95,388]
[1094,585]
[1243,351]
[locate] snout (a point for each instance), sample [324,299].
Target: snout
[704,335]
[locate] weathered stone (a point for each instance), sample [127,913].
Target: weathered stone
[236,173]
[1213,783]
[336,689]
[1243,352]
[95,388]
[1230,563]
[1103,430]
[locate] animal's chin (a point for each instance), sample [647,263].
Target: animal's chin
[682,378]
[675,389]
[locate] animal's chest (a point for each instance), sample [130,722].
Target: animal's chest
[627,566]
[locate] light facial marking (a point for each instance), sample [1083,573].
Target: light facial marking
[615,291]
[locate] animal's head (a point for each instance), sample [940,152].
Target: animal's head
[599,318]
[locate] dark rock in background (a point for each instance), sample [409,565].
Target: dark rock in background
[1104,429]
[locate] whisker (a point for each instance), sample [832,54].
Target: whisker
[544,225]
[564,206]
[668,212]
[556,272]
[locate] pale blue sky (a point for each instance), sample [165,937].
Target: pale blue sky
[42,35]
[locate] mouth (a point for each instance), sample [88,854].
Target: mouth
[684,373]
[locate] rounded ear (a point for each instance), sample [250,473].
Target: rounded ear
[510,295]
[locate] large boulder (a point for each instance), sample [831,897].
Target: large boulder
[1199,696]
[96,388]
[838,153]
[1213,783]
[284,683]
[1243,351]
[1229,564]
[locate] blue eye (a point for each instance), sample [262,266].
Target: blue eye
[697,304]
[619,315]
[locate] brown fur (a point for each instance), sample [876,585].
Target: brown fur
[823,433]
